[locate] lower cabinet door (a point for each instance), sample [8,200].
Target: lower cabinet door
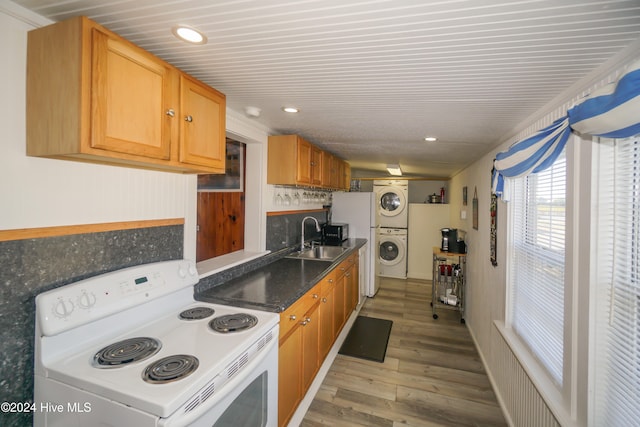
[339,305]
[289,375]
[327,335]
[310,346]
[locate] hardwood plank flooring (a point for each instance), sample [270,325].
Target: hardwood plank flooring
[432,374]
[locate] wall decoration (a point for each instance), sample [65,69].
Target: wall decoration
[493,210]
[475,208]
[464,196]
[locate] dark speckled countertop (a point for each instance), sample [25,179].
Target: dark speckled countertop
[275,286]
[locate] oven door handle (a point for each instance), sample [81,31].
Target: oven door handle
[182,418]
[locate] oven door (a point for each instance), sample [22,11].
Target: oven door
[249,399]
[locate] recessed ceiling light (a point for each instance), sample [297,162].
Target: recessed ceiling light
[189,34]
[290,109]
[394,169]
[430,138]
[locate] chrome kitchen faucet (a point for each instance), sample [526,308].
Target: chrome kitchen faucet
[317,229]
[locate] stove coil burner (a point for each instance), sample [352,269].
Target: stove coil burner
[196,313]
[170,368]
[126,351]
[233,322]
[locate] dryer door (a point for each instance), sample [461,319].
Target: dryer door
[391,250]
[391,201]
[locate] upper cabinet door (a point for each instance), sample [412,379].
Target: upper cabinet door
[131,99]
[303,175]
[316,165]
[94,96]
[202,124]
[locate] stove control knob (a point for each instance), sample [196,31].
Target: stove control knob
[63,308]
[86,300]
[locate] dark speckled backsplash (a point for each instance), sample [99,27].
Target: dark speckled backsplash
[284,230]
[31,266]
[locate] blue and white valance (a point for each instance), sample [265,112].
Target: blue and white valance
[612,111]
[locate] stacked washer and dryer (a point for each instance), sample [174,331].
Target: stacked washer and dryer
[392,218]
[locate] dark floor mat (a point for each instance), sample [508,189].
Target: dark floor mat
[367,339]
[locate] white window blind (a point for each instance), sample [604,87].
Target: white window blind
[537,264]
[617,296]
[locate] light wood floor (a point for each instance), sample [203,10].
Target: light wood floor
[432,374]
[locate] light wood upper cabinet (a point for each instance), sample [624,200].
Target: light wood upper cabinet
[289,160]
[129,91]
[303,161]
[94,96]
[292,160]
[327,165]
[316,165]
[202,124]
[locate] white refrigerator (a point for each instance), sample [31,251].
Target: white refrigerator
[359,211]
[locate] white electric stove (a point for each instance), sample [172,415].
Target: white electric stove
[133,347]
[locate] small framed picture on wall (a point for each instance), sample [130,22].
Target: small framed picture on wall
[475,208]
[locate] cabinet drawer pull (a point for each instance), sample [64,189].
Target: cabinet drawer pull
[188,118]
[324,299]
[171,112]
[315,296]
[292,317]
[306,321]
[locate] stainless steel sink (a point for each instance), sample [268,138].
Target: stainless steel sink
[320,253]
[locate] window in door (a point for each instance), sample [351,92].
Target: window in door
[221,207]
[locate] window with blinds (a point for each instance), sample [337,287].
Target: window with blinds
[537,264]
[616,362]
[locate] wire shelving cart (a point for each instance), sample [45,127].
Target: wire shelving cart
[449,273]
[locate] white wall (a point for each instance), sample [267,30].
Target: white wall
[39,192]
[486,284]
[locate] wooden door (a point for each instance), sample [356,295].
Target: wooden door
[221,221]
[202,124]
[130,93]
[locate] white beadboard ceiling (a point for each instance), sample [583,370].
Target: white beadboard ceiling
[372,78]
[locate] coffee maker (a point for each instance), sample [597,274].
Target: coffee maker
[449,236]
[453,241]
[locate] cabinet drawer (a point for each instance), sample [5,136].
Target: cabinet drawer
[328,282]
[293,315]
[343,267]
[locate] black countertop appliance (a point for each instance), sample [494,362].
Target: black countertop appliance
[335,234]
[453,241]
